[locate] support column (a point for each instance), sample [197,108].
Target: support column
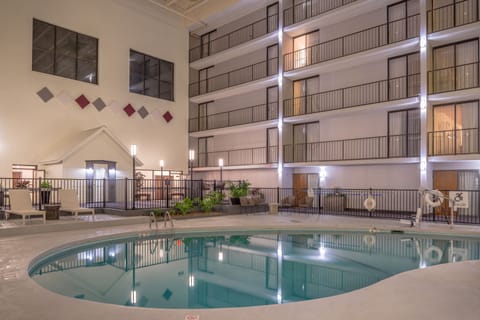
[424,166]
[280,95]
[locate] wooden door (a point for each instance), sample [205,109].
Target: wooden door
[445,181]
[300,185]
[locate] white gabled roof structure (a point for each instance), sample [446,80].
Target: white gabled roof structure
[75,143]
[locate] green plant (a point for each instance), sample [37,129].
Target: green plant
[158,212]
[240,190]
[184,206]
[210,200]
[45,185]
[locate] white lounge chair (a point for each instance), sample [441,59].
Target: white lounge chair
[69,203]
[21,204]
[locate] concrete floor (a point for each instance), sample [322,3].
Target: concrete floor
[448,291]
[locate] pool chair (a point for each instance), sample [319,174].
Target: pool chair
[21,205]
[69,203]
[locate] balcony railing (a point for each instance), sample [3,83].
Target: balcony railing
[369,93]
[244,34]
[258,113]
[310,8]
[394,146]
[238,157]
[233,78]
[452,15]
[453,78]
[453,142]
[364,40]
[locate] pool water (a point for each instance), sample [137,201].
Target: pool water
[222,270]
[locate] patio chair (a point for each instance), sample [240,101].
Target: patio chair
[21,205]
[69,203]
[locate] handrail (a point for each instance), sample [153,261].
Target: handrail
[337,150]
[316,103]
[290,11]
[199,56]
[230,117]
[473,82]
[195,87]
[382,39]
[453,142]
[449,19]
[230,159]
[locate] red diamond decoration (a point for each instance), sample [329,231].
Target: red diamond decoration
[82,101]
[167,116]
[129,110]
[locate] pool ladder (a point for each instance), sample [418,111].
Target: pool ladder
[166,217]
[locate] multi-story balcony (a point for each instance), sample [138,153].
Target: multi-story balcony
[310,8]
[235,38]
[459,77]
[257,71]
[238,157]
[371,38]
[453,142]
[383,147]
[452,15]
[248,115]
[369,93]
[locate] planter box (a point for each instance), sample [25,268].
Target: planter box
[334,203]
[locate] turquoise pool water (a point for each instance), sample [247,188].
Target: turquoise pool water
[219,270]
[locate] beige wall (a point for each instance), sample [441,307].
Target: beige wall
[28,126]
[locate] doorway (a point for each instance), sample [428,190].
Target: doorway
[101,184]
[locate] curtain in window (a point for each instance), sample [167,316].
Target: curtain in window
[466,127]
[444,71]
[466,55]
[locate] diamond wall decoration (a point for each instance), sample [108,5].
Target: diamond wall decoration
[65,98]
[129,110]
[99,104]
[45,94]
[167,116]
[143,112]
[82,101]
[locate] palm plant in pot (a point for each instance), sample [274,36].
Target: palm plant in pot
[238,190]
[45,190]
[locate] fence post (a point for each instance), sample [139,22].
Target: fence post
[39,192]
[278,195]
[319,197]
[126,193]
[168,193]
[104,191]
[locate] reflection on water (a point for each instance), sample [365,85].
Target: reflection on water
[234,270]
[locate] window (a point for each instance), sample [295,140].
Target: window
[455,129]
[151,76]
[64,53]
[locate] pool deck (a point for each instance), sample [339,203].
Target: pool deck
[448,291]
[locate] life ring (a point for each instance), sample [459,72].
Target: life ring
[369,240]
[433,254]
[370,203]
[429,198]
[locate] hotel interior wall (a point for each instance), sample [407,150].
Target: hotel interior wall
[28,126]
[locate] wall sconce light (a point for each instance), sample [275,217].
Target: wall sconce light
[322,174]
[423,43]
[423,103]
[423,166]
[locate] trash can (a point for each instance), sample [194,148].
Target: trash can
[273,208]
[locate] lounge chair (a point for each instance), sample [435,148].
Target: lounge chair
[69,203]
[21,204]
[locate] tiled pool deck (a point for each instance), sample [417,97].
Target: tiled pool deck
[448,291]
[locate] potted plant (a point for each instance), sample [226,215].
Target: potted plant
[2,195]
[45,190]
[237,191]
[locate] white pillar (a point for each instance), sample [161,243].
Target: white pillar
[280,95]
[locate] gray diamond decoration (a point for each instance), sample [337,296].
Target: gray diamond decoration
[45,94]
[143,112]
[99,104]
[167,294]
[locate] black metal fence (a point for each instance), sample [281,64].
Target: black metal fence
[236,77]
[364,40]
[393,146]
[359,95]
[261,112]
[454,78]
[152,193]
[241,35]
[452,142]
[238,157]
[452,15]
[310,8]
